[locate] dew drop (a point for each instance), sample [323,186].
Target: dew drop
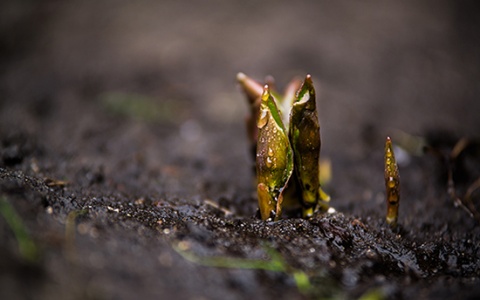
[391,182]
[263,119]
[270,151]
[269,162]
[389,153]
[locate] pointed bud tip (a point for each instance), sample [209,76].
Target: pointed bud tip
[389,139]
[308,79]
[266,92]
[241,77]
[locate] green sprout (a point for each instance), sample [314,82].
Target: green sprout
[285,133]
[27,247]
[274,159]
[306,283]
[392,184]
[304,133]
[274,263]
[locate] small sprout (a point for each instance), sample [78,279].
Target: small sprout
[274,159]
[27,247]
[275,263]
[287,142]
[392,184]
[304,133]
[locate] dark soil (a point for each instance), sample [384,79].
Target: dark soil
[122,139]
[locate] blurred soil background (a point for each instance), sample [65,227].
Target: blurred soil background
[122,136]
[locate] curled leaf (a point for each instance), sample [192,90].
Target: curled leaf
[274,158]
[304,133]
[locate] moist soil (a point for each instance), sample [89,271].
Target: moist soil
[124,157]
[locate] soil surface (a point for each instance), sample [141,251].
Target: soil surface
[124,162]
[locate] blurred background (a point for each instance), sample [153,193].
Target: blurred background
[408,64]
[134,105]
[377,65]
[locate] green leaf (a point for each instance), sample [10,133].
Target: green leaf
[27,247]
[274,158]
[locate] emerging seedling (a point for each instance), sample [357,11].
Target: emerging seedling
[285,133]
[304,133]
[392,184]
[274,159]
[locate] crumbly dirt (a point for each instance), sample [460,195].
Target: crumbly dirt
[123,149]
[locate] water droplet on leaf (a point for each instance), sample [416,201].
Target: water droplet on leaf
[391,182]
[269,162]
[270,151]
[263,119]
